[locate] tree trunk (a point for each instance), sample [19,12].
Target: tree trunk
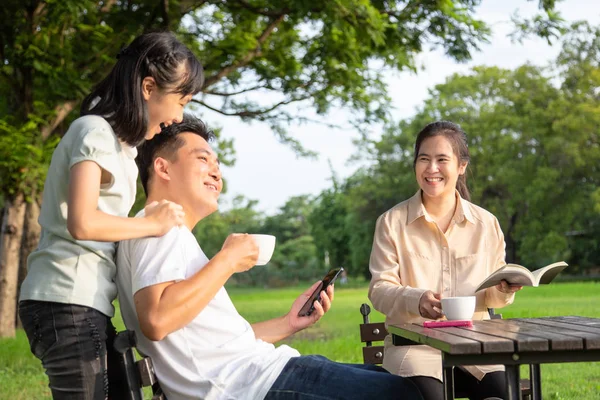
[31,237]
[10,243]
[511,245]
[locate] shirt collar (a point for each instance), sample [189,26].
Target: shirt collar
[463,210]
[416,210]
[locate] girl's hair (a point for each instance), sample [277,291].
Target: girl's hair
[458,140]
[118,97]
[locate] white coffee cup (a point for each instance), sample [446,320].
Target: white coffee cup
[458,308]
[266,246]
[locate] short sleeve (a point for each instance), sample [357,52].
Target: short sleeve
[97,144]
[157,260]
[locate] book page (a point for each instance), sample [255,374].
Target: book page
[514,274]
[546,274]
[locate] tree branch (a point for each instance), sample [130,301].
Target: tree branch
[215,93]
[187,8]
[253,113]
[61,110]
[108,5]
[151,19]
[256,52]
[165,13]
[2,58]
[262,11]
[38,11]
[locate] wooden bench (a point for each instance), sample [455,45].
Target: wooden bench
[138,373]
[376,332]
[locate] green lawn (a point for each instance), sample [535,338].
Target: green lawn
[336,336]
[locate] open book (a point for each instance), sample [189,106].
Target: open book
[518,275]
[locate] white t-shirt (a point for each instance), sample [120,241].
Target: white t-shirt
[217,355]
[65,270]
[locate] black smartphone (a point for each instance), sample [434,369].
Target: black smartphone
[309,306]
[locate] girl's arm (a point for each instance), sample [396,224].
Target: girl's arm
[86,222]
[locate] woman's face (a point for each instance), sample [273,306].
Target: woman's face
[438,168]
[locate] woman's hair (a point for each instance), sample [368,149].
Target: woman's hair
[458,140]
[118,97]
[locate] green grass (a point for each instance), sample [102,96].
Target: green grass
[336,336]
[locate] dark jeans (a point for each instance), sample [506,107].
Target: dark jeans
[315,377]
[74,344]
[492,385]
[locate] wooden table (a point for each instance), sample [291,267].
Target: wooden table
[510,342]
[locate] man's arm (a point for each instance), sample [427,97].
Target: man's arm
[277,329]
[168,306]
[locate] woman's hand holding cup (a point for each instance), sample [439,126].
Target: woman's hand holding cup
[430,305]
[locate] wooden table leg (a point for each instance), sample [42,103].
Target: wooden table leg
[448,383]
[536,381]
[513,382]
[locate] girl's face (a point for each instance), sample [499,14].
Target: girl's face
[438,168]
[164,108]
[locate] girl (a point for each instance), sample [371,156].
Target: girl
[436,244]
[66,298]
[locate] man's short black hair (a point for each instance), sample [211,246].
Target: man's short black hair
[167,143]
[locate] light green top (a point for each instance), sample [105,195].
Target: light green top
[63,269]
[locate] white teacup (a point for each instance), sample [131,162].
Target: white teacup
[266,246]
[458,308]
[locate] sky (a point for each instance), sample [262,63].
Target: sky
[271,173]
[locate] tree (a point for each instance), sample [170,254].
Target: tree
[328,228]
[295,256]
[535,151]
[242,217]
[290,222]
[325,54]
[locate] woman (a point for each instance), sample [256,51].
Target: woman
[66,298]
[433,245]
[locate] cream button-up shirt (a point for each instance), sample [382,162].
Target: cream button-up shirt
[412,255]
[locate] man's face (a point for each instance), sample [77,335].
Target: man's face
[195,176]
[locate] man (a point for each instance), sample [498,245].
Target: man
[174,299]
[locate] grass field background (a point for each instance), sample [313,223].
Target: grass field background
[336,336]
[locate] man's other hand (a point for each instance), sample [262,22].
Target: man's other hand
[298,323]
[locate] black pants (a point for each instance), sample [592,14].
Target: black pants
[75,345]
[493,384]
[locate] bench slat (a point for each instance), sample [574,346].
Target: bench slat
[574,320]
[438,339]
[591,340]
[557,341]
[490,343]
[523,342]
